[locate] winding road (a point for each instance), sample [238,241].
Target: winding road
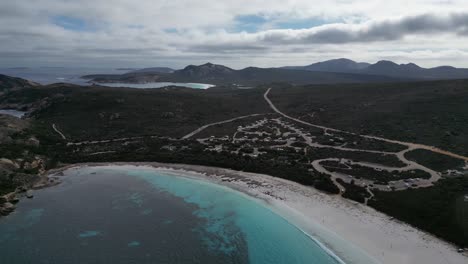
[59,132]
[408,144]
[411,165]
[191,134]
[316,164]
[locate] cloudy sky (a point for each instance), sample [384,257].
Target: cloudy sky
[266,33]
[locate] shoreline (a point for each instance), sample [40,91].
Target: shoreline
[353,232]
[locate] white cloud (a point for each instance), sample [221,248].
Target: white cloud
[126,32]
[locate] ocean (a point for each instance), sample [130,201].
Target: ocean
[129,214]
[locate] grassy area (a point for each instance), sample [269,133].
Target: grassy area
[432,113]
[192,152]
[354,192]
[84,113]
[321,153]
[435,161]
[379,177]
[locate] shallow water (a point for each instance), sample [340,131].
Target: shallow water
[130,214]
[49,75]
[14,113]
[158,85]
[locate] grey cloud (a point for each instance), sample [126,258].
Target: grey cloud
[28,36]
[226,48]
[377,31]
[119,51]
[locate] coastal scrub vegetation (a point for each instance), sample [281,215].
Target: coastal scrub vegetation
[441,210]
[102,124]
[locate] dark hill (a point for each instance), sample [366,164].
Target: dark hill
[8,84]
[386,68]
[206,71]
[338,65]
[251,76]
[154,70]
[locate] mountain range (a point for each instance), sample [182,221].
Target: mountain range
[327,72]
[385,68]
[222,75]
[154,70]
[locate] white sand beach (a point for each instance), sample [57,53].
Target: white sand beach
[354,232]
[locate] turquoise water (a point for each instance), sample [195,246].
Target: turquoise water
[128,214]
[270,238]
[158,85]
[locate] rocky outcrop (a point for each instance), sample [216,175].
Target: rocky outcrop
[32,141]
[8,164]
[29,194]
[7,208]
[7,204]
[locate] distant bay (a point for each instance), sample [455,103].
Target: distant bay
[11,112]
[158,85]
[50,75]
